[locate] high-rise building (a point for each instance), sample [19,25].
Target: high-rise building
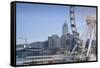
[65,29]
[54,41]
[64,35]
[64,45]
[70,41]
[50,42]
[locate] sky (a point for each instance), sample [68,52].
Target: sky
[36,22]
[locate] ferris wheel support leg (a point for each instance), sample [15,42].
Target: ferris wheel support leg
[87,30]
[73,49]
[90,43]
[84,43]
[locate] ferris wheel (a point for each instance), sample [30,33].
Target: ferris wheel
[89,33]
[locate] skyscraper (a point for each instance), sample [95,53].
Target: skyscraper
[65,29]
[64,35]
[64,45]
